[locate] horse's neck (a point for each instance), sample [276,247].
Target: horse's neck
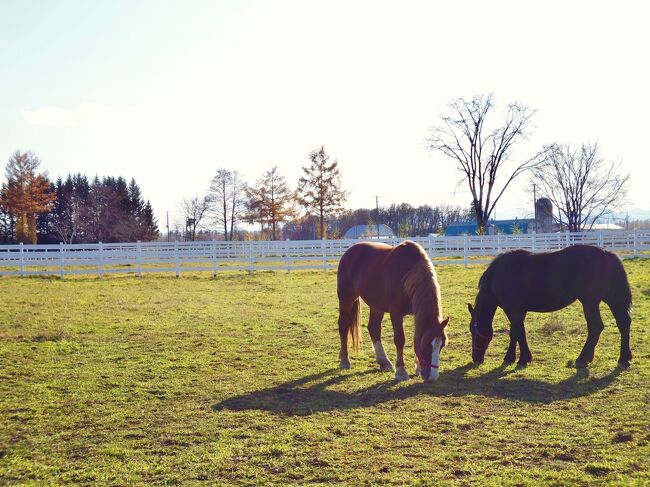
[486,306]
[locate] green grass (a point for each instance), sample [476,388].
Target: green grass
[233,380]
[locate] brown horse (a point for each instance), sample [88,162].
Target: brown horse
[398,280]
[520,281]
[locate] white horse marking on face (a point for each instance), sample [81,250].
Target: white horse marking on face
[436,347]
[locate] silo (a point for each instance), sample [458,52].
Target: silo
[544,215]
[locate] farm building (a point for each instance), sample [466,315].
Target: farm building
[543,212]
[369,231]
[524,225]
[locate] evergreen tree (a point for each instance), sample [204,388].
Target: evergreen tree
[319,189]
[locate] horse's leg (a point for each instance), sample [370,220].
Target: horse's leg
[518,335]
[623,321]
[345,321]
[594,327]
[398,337]
[374,327]
[525,357]
[511,354]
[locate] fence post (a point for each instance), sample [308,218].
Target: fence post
[21,261]
[533,241]
[250,256]
[288,255]
[139,258]
[214,258]
[568,238]
[177,264]
[498,243]
[322,250]
[101,259]
[61,261]
[600,239]
[465,250]
[635,243]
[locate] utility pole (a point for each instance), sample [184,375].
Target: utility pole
[377,207]
[168,226]
[535,204]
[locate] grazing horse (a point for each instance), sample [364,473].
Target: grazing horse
[398,280]
[520,281]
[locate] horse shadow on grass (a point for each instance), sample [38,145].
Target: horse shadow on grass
[318,392]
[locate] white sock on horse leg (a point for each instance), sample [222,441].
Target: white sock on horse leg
[380,354]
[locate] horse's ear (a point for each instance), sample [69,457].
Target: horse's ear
[471,309]
[445,323]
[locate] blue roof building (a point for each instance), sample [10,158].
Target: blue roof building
[369,231]
[506,227]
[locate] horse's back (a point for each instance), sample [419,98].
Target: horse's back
[361,262]
[375,271]
[549,281]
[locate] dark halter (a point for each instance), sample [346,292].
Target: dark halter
[424,364]
[486,338]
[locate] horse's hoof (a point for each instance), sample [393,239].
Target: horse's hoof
[509,360]
[581,364]
[401,374]
[522,365]
[624,363]
[345,364]
[525,359]
[386,367]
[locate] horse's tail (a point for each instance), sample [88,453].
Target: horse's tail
[620,293]
[354,330]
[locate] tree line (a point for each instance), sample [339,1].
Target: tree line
[269,202]
[71,210]
[312,210]
[581,184]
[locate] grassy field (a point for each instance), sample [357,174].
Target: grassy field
[233,380]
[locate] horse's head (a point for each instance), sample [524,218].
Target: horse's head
[428,350]
[481,335]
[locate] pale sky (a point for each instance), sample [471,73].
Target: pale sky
[170,91]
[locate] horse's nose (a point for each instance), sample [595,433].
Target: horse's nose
[433,376]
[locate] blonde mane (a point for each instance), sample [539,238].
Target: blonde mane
[421,285]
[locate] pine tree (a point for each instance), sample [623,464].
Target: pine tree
[319,189]
[148,224]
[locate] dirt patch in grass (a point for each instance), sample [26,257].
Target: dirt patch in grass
[51,336]
[553,325]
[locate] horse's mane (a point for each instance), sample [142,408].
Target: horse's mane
[421,285]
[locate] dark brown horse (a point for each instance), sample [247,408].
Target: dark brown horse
[398,280]
[520,281]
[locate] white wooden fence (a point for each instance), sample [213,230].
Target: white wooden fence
[218,256]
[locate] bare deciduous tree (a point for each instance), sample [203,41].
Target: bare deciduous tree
[582,186]
[483,150]
[194,210]
[319,190]
[270,201]
[227,192]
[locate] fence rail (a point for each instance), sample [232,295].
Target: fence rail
[218,256]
